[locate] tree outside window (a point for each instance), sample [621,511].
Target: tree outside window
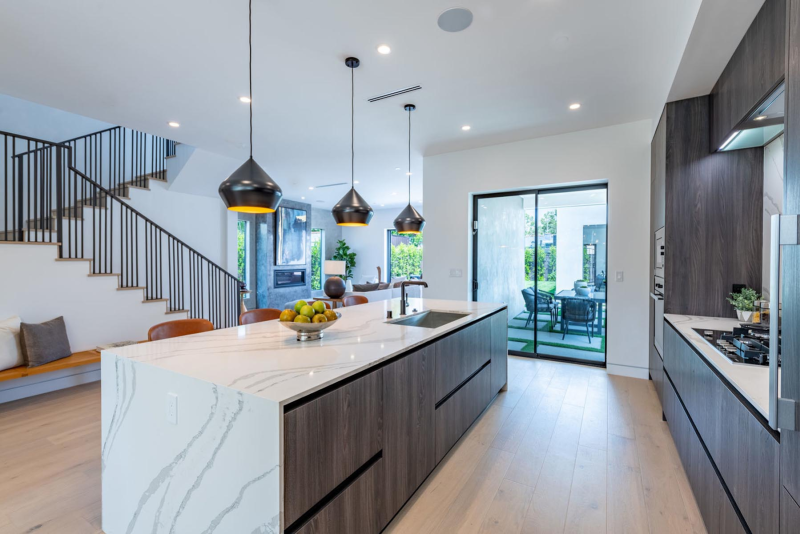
[242,252]
[406,255]
[316,258]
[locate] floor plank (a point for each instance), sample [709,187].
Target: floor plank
[508,509]
[587,501]
[627,513]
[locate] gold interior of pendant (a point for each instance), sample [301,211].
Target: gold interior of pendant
[352,224]
[251,209]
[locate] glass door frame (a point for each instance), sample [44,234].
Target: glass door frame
[538,191]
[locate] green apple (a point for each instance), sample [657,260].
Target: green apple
[299,305]
[307,311]
[318,306]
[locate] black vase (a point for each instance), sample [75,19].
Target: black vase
[334,287]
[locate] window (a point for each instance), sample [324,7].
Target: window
[403,255]
[317,257]
[243,252]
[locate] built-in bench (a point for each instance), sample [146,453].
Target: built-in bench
[62,375]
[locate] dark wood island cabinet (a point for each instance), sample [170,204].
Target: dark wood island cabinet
[357,451]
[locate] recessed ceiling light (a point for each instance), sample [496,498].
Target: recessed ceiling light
[174,124]
[408,174]
[575,106]
[397,168]
[466,127]
[356,182]
[384,49]
[302,198]
[761,118]
[244,99]
[382,205]
[310,188]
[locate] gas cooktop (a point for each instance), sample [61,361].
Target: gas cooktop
[747,344]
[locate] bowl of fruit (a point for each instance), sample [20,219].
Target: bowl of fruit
[308,320]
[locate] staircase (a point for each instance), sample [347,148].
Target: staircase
[72,195]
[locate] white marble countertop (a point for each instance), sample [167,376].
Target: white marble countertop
[752,381]
[266,360]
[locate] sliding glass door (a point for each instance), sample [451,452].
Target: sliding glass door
[543,253]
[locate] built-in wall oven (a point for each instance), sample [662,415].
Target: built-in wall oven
[657,291]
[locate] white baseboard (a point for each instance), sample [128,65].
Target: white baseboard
[627,370]
[29,386]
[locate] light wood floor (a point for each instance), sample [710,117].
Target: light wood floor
[565,449]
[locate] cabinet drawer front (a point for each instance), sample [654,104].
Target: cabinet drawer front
[459,355]
[355,510]
[746,454]
[328,439]
[408,425]
[716,508]
[455,415]
[499,350]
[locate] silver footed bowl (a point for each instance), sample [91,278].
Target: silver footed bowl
[310,331]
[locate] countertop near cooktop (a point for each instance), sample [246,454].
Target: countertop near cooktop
[752,381]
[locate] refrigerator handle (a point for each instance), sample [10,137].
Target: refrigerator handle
[783,413]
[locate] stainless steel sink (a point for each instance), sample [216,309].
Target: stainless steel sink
[429,319]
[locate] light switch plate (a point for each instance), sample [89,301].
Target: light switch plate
[620,276]
[455,273]
[172,408]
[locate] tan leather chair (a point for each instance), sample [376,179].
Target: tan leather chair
[181,327]
[354,300]
[259,315]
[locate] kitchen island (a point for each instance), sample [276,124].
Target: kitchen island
[246,429]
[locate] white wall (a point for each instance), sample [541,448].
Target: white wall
[49,124]
[571,221]
[617,155]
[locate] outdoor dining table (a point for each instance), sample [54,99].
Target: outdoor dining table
[598,296]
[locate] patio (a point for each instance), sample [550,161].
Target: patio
[575,345]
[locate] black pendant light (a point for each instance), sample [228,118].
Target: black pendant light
[250,189]
[409,221]
[352,209]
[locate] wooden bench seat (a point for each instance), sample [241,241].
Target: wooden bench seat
[76,360]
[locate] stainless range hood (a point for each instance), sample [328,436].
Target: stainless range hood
[762,126]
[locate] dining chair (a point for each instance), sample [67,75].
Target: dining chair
[580,311]
[354,300]
[259,315]
[536,302]
[181,327]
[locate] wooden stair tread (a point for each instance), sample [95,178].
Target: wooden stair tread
[28,243]
[170,312]
[145,301]
[103,274]
[131,288]
[76,360]
[73,259]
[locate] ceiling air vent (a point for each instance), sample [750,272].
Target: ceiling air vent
[329,185]
[395,93]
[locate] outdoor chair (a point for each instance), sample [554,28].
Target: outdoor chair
[582,311]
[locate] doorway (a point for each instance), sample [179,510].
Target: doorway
[544,253]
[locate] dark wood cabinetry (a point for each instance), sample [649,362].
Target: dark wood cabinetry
[455,415]
[458,356]
[745,453]
[499,350]
[409,443]
[718,511]
[356,452]
[755,68]
[328,439]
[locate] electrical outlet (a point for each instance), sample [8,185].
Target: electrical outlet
[620,276]
[455,273]
[172,408]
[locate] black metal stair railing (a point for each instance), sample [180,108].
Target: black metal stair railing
[48,196]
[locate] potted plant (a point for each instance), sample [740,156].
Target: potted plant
[343,253]
[582,290]
[579,283]
[744,302]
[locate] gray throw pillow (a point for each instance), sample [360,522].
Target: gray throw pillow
[384,285]
[44,343]
[362,288]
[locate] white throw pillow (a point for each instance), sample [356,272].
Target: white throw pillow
[10,350]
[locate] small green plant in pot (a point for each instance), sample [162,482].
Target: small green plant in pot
[744,302]
[343,253]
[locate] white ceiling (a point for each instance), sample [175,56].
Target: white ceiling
[511,75]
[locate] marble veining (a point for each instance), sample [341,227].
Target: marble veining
[266,360]
[752,381]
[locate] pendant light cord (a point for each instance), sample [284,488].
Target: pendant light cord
[409,156]
[250,75]
[352,127]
